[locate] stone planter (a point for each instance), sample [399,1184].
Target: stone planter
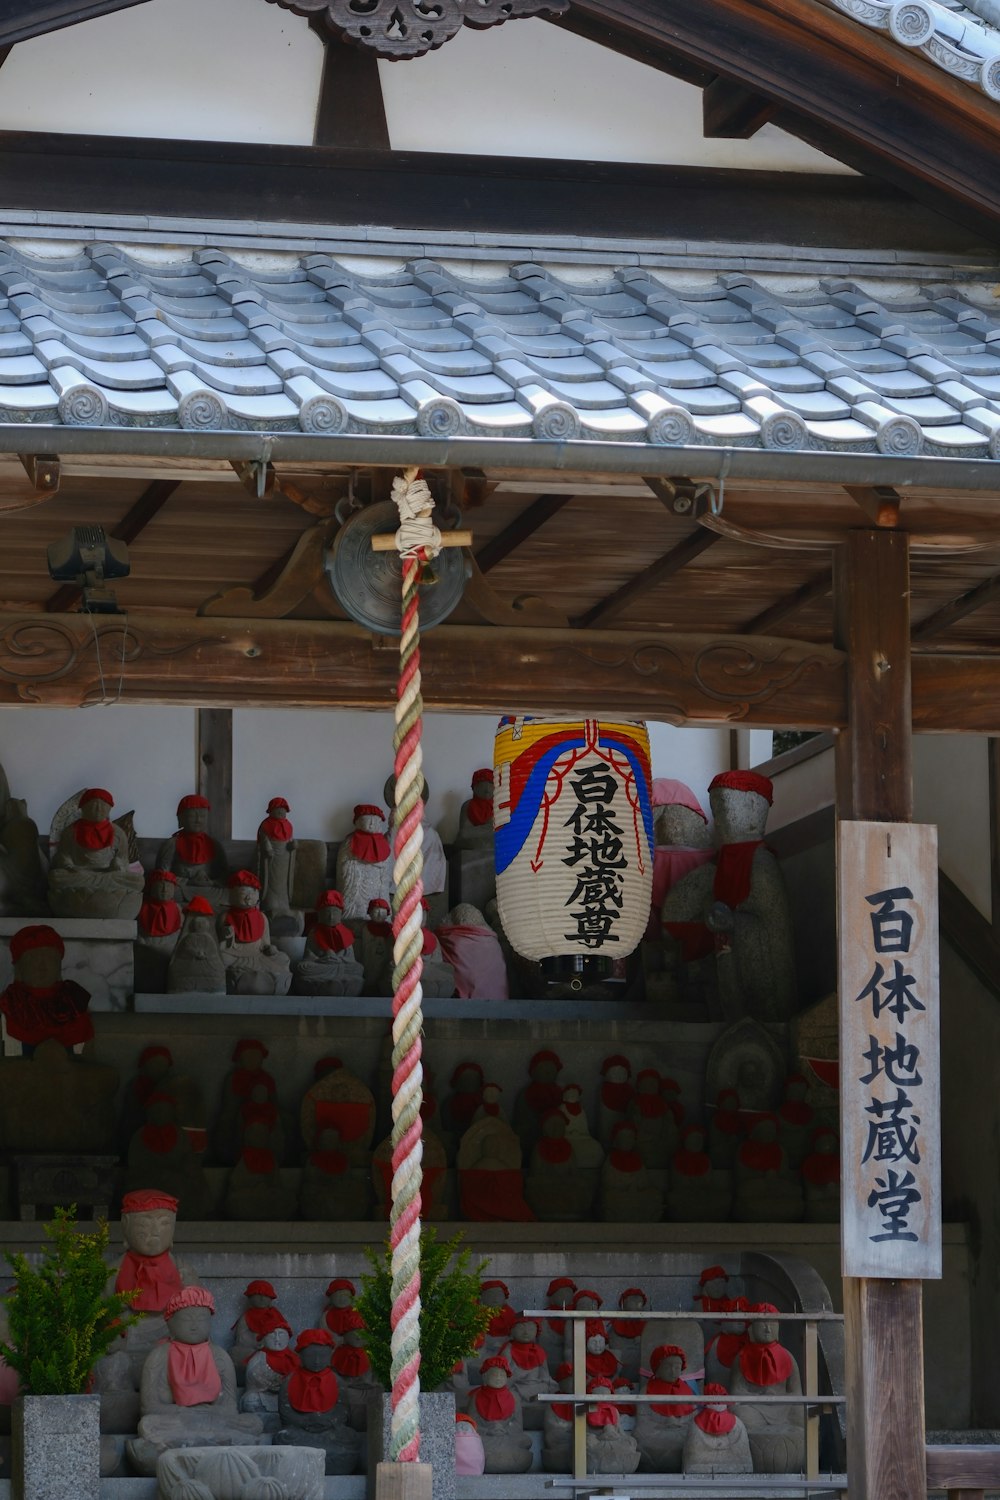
[56,1451]
[437,1439]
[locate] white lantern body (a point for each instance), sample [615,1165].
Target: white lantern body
[573,822]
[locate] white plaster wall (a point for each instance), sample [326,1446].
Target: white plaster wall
[144,756]
[248,71]
[951,787]
[322,761]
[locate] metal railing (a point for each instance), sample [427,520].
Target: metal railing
[816,1402]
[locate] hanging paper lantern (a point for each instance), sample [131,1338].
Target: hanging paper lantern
[573,822]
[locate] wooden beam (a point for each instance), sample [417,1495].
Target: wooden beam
[215,766]
[307,184]
[42,469]
[952,693]
[650,578]
[732,112]
[776,614]
[987,592]
[879,502]
[223,662]
[133,522]
[350,110]
[970,1468]
[21,19]
[519,530]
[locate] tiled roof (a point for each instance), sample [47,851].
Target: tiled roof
[962,39]
[203,339]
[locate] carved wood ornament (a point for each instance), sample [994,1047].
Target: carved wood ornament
[409,28]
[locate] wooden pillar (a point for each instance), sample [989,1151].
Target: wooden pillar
[883,1322]
[215,766]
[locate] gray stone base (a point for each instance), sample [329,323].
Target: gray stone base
[57,1448]
[437,1439]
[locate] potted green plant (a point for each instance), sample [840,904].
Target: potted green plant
[62,1320]
[452,1321]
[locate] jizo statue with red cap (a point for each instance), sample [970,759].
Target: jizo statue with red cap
[39,1004]
[496,1410]
[267,1367]
[191,853]
[475,821]
[90,875]
[735,909]
[364,862]
[196,966]
[254,966]
[312,1415]
[330,965]
[276,855]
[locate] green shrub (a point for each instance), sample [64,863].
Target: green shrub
[452,1318]
[61,1319]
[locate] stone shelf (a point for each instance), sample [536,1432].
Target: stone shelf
[198,1003]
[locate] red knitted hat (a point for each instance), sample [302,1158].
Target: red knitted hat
[585,1291]
[39,936]
[200,906]
[547,1056]
[485,774]
[314,1336]
[277,802]
[616,1061]
[327,1065]
[190,1296]
[243,877]
[340,1285]
[260,1289]
[632,1291]
[744,781]
[95,793]
[380,902]
[368,810]
[767,1308]
[560,1281]
[564,1371]
[268,1319]
[465,1067]
[190,801]
[148,1053]
[146,1200]
[484,1286]
[245,1043]
[161,875]
[330,898]
[648,1073]
[664,1351]
[495,1362]
[712,1273]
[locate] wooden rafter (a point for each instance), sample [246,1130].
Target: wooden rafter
[650,578]
[21,19]
[350,110]
[732,112]
[132,524]
[987,592]
[879,502]
[777,614]
[519,530]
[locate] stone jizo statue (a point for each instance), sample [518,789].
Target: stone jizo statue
[364,862]
[765,1367]
[496,1410]
[196,964]
[475,821]
[90,875]
[309,1408]
[39,1005]
[191,853]
[276,853]
[330,965]
[716,1441]
[254,966]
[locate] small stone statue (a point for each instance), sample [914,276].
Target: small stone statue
[729,1336]
[765,1367]
[23,883]
[616,1096]
[588,1153]
[628,1193]
[742,903]
[330,965]
[338,1316]
[661,1429]
[311,1414]
[623,1387]
[682,838]
[473,950]
[726,1129]
[654,1119]
[495,1295]
[196,964]
[330,1188]
[247,1082]
[160,1151]
[254,966]
[496,1411]
[552,1334]
[470,1457]
[529,1368]
[717,1441]
[438,977]
[39,1005]
[188,1392]
[627,1332]
[610,1449]
[697,1192]
[538,1097]
[490,1179]
[364,862]
[795,1120]
[276,851]
[376,948]
[353,1369]
[462,1104]
[556,1187]
[158,926]
[765,1190]
[602,1361]
[475,821]
[192,854]
[340,1101]
[820,1173]
[90,875]
[557,1428]
[254,1188]
[157,1074]
[268,1368]
[261,1301]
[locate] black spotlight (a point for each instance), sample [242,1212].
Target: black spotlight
[89,557]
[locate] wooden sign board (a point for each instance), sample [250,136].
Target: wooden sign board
[890,1090]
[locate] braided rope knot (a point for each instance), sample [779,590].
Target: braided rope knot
[417,535]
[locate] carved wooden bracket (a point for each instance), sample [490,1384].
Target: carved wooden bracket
[409,28]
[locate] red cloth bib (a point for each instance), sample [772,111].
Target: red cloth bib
[525,1356]
[554,1148]
[715,1423]
[330,1162]
[312,1390]
[243,1080]
[502,1322]
[821,1170]
[651,1106]
[543,1096]
[602,1364]
[493,1405]
[761,1156]
[282,1361]
[727,1345]
[160,1138]
[333,939]
[604,1415]
[369,848]
[194,848]
[338,1319]
[628,1330]
[616,1096]
[563,1410]
[381,930]
[733,871]
[429,945]
[98,835]
[247,923]
[350,1362]
[486,1196]
[479,810]
[625,1161]
[156,1278]
[765,1364]
[656,1387]
[59,1011]
[796,1112]
[691,1163]
[256,1319]
[258,1160]
[159,918]
[192,1374]
[278,829]
[694,938]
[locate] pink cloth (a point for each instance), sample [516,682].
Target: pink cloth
[193,1374]
[670,793]
[670,864]
[477,958]
[469,1455]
